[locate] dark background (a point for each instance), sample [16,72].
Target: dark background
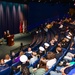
[33,12]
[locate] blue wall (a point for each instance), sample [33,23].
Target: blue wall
[42,11]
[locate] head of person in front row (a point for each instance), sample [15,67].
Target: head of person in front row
[50,56]
[17,59]
[2,63]
[7,58]
[29,50]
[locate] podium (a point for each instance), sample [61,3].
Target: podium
[10,40]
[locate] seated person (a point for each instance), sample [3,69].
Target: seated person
[17,59]
[21,66]
[34,58]
[29,50]
[41,51]
[46,46]
[2,64]
[56,38]
[69,56]
[7,58]
[52,42]
[67,69]
[58,52]
[50,60]
[40,70]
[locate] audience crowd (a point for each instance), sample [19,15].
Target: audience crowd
[40,58]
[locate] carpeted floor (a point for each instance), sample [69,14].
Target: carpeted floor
[18,38]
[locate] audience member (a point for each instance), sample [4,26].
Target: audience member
[7,58]
[40,70]
[34,58]
[2,64]
[17,59]
[41,51]
[50,60]
[46,46]
[59,52]
[29,50]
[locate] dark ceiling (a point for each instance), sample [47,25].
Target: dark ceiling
[44,1]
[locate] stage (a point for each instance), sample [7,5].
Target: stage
[18,38]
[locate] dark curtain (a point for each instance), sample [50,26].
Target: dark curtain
[10,17]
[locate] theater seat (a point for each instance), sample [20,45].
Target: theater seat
[19,73]
[5,71]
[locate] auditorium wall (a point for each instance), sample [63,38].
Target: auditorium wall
[41,11]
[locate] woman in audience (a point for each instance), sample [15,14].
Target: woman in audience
[34,58]
[50,60]
[2,64]
[7,58]
[40,70]
[17,59]
[21,66]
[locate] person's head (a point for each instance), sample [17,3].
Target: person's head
[58,49]
[63,40]
[2,61]
[42,64]
[56,36]
[29,49]
[7,57]
[59,44]
[4,32]
[13,53]
[21,53]
[50,55]
[7,31]
[34,54]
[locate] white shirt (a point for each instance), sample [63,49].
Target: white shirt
[29,52]
[6,60]
[50,63]
[32,60]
